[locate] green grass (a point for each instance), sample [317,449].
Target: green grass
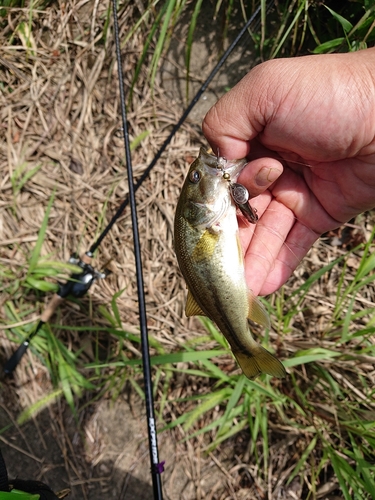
[293,27]
[319,400]
[326,400]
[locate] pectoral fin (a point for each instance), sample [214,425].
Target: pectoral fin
[258,360]
[191,307]
[257,311]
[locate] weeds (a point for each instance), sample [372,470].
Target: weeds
[310,404]
[295,27]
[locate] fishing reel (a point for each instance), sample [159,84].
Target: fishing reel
[79,283]
[35,490]
[20,489]
[76,286]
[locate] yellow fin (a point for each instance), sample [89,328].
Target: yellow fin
[205,247]
[191,307]
[257,311]
[258,360]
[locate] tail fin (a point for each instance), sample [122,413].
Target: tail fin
[258,360]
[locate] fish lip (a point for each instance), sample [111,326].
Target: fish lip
[235,167]
[222,165]
[207,158]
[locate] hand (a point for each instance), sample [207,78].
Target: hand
[308,127]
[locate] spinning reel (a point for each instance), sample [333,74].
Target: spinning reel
[76,286]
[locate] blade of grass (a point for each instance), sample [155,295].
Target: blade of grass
[189,42]
[162,40]
[302,461]
[310,356]
[346,25]
[212,400]
[41,236]
[233,400]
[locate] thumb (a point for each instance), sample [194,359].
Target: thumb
[239,116]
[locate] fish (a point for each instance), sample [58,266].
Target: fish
[210,258]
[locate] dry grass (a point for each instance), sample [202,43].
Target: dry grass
[62,116]
[60,127]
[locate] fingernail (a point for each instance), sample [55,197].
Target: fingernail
[266,176]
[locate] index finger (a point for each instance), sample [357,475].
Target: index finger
[234,121]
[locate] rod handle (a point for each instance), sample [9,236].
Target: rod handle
[13,361]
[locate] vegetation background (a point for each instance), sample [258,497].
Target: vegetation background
[72,415]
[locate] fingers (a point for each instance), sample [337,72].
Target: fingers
[258,175]
[236,118]
[274,246]
[296,245]
[264,243]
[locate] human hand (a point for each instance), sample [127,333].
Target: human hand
[307,125]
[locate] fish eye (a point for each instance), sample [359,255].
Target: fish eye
[195,176]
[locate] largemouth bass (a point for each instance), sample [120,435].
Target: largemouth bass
[210,257]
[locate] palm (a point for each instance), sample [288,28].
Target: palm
[309,199]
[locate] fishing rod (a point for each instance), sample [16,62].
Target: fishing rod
[83,278]
[156,467]
[79,283]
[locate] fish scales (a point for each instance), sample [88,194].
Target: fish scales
[210,258]
[209,274]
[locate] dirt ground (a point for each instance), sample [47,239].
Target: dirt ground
[104,455]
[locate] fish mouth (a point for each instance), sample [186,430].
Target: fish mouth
[222,165]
